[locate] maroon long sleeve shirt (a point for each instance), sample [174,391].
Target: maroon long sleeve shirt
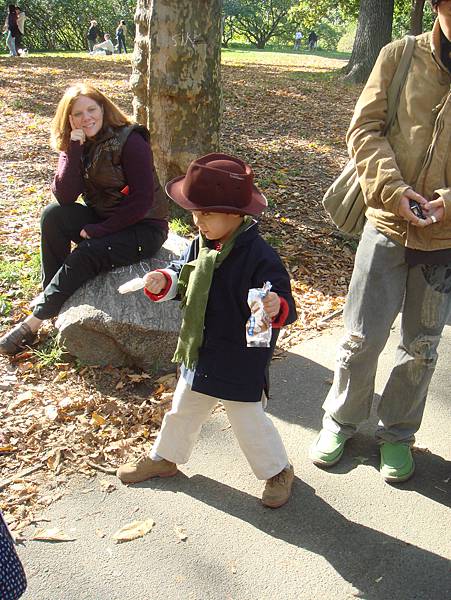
[136,157]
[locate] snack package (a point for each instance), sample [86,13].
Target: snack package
[258,326]
[131,286]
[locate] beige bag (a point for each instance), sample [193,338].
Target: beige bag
[344,201]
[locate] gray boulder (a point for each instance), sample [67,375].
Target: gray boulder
[100,326]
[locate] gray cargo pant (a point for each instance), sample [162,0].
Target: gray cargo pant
[381,285]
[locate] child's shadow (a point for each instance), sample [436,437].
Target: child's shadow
[380,566]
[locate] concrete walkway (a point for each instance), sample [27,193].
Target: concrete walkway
[344,534]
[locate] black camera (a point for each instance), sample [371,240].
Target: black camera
[416,209]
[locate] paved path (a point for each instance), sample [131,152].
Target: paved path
[344,534]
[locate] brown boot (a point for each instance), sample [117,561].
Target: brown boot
[145,468]
[17,339]
[278,489]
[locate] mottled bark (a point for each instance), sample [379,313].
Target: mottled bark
[176,79]
[416,17]
[374,30]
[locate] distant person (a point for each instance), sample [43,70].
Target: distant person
[105,47]
[312,40]
[121,33]
[11,29]
[297,40]
[93,34]
[21,27]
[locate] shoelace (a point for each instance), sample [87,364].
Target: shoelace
[279,478]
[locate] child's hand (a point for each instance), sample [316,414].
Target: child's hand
[154,282]
[271,303]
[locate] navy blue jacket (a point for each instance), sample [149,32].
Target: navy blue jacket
[227,368]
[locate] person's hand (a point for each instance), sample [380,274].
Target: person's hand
[405,211]
[271,304]
[84,235]
[76,135]
[154,282]
[434,210]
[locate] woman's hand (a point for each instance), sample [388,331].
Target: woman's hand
[84,235]
[154,282]
[271,304]
[76,135]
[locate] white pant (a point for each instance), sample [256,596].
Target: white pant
[256,434]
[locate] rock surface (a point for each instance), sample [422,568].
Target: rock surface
[102,327]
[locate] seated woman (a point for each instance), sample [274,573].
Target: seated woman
[106,159]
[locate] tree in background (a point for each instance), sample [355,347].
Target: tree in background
[176,79]
[374,30]
[230,10]
[260,20]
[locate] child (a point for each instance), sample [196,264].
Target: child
[227,259]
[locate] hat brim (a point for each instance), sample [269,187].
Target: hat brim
[255,207]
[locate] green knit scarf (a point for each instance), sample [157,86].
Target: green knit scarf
[194,287]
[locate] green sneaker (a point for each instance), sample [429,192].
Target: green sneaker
[396,462]
[327,449]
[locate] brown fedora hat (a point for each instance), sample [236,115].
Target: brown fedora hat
[218,183]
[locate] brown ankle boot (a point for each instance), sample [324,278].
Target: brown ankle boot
[145,468]
[278,489]
[17,339]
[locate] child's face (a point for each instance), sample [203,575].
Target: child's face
[216,226]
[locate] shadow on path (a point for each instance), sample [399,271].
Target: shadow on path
[380,566]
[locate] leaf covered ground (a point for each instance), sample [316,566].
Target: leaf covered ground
[286,115]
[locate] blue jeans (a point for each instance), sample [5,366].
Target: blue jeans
[11,44]
[381,285]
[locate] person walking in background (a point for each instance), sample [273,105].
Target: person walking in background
[21,29]
[403,261]
[11,29]
[121,33]
[312,40]
[297,40]
[93,33]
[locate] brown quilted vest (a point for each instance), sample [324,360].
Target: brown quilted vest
[104,177]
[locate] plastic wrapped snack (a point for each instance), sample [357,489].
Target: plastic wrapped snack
[131,286]
[258,326]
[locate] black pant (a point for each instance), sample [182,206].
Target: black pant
[121,43]
[64,271]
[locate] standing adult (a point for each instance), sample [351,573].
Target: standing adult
[12,30]
[121,33]
[92,35]
[404,257]
[21,16]
[107,159]
[312,40]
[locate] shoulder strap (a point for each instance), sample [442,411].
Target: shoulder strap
[399,78]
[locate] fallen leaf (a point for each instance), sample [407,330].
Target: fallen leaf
[181,533]
[133,530]
[52,534]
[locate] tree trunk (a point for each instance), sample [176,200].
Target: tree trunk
[176,79]
[374,31]
[416,17]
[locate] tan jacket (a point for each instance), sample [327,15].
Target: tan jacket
[416,152]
